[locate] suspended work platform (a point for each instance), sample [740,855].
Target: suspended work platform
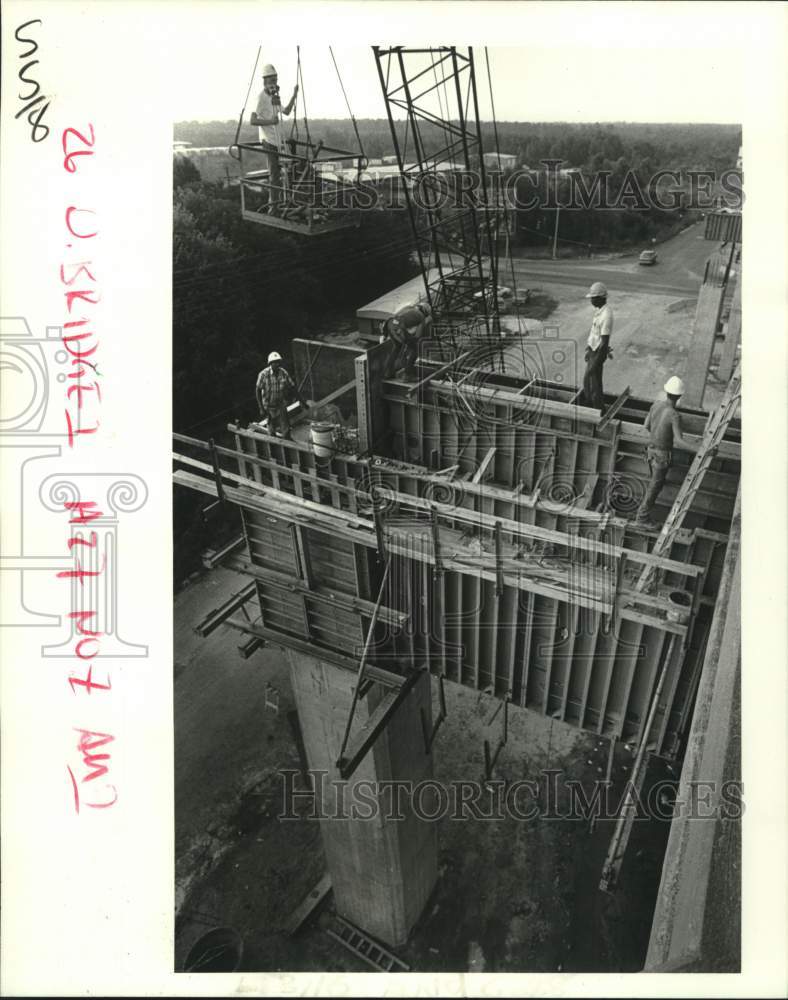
[310,199]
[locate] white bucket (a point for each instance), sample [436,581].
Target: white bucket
[321,435]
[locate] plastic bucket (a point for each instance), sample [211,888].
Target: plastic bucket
[219,950]
[321,434]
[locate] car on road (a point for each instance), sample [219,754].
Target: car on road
[648,257]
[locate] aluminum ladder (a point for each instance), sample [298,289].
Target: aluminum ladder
[366,948]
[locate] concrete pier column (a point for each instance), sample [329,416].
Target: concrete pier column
[383,866]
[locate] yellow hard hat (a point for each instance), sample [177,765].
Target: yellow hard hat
[269,70]
[274,356]
[674,386]
[596,289]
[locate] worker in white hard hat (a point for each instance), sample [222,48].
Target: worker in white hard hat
[267,116]
[409,325]
[597,347]
[664,427]
[274,390]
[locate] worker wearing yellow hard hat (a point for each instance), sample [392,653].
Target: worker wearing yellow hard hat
[597,347]
[664,427]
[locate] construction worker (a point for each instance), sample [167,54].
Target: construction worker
[267,116]
[664,427]
[598,346]
[407,327]
[272,390]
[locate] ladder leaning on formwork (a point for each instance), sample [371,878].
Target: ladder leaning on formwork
[366,948]
[713,433]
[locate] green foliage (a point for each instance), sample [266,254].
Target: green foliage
[184,171]
[241,290]
[590,145]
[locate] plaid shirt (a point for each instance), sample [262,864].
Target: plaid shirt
[273,387]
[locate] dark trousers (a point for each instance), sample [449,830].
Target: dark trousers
[279,422]
[659,461]
[592,379]
[404,356]
[274,173]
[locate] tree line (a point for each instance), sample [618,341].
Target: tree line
[592,146]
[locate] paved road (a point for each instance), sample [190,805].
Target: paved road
[677,273]
[616,279]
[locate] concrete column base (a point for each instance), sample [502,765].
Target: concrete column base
[383,861]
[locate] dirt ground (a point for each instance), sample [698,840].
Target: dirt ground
[650,341]
[512,895]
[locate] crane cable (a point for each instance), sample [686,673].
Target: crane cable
[294,123]
[243,109]
[505,213]
[349,111]
[302,91]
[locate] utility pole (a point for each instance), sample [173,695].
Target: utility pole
[555,233]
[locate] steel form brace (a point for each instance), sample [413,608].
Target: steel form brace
[489,757]
[354,752]
[429,735]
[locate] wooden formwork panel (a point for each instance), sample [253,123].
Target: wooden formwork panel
[270,542]
[539,442]
[550,656]
[587,666]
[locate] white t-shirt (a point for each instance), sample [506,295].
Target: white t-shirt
[266,109]
[601,326]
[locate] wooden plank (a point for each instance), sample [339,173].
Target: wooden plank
[479,474]
[307,907]
[704,329]
[613,409]
[315,516]
[444,368]
[732,336]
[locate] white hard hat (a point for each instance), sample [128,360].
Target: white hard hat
[269,70]
[596,289]
[674,386]
[274,356]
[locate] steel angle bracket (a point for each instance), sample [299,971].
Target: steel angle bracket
[429,735]
[219,615]
[217,505]
[489,757]
[363,741]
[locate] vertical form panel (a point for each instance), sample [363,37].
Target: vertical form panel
[507,642]
[488,639]
[631,654]
[660,731]
[470,592]
[600,674]
[582,665]
[654,643]
[542,642]
[455,650]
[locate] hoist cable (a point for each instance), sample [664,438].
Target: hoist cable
[347,102]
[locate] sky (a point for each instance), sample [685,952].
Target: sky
[571,62]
